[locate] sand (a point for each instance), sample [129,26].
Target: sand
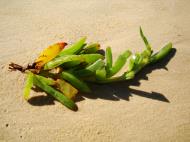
[155,109]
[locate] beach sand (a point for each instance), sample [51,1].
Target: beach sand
[155,107]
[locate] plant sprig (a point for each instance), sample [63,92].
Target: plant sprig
[62,72]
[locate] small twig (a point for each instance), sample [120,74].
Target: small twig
[15,67]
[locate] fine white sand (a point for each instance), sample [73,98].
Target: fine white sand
[115,113]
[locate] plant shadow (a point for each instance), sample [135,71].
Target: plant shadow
[41,100]
[115,91]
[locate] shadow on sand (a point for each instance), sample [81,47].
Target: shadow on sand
[116,91]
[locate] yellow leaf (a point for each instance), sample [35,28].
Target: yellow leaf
[48,54]
[66,88]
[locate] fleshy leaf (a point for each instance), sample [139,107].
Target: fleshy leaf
[145,40]
[48,54]
[108,58]
[74,48]
[66,88]
[76,82]
[28,85]
[56,94]
[119,63]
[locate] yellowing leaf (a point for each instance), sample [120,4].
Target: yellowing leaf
[48,54]
[66,88]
